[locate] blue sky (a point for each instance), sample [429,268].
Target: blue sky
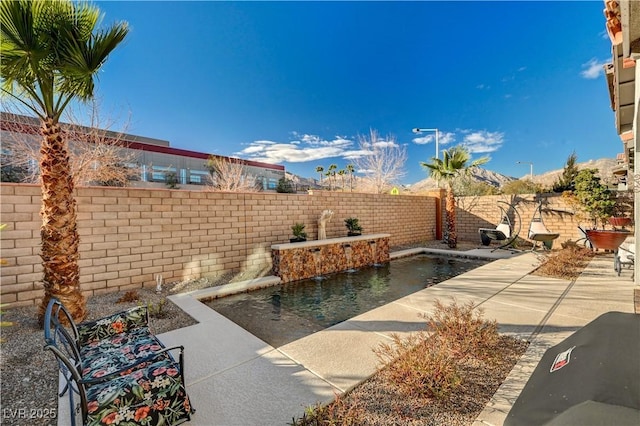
[296,83]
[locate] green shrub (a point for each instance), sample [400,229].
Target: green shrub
[285,186]
[157,311]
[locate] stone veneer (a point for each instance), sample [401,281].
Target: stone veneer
[299,261]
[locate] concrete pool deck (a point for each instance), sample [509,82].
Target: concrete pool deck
[234,378]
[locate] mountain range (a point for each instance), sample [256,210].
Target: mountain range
[604,165]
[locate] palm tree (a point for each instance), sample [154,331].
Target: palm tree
[328,175]
[319,170]
[350,170]
[332,174]
[51,53]
[341,173]
[454,163]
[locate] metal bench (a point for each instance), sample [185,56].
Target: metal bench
[115,370]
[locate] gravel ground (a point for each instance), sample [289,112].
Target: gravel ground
[28,374]
[378,402]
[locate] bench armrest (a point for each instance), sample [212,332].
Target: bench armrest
[111,325]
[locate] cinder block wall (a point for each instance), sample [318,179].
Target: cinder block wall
[128,235]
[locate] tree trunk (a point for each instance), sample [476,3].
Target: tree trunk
[59,232]
[452,235]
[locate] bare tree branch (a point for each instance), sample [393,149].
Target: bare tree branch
[229,175]
[97,156]
[382,163]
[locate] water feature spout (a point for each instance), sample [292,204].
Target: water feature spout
[317,260]
[348,255]
[373,246]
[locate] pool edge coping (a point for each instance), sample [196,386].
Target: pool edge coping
[272,280]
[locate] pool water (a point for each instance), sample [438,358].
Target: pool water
[287,312]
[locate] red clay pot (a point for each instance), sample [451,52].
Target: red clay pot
[620,221]
[606,239]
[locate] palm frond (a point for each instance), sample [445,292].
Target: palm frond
[51,51]
[454,162]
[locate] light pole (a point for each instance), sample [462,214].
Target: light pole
[420,130]
[530,165]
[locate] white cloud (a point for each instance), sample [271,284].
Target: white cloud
[592,69]
[385,144]
[304,148]
[357,153]
[482,141]
[423,140]
[443,138]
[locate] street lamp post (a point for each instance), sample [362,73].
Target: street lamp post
[530,167]
[420,130]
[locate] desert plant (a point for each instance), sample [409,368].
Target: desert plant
[285,186]
[428,364]
[567,263]
[456,161]
[298,232]
[129,296]
[419,366]
[338,412]
[157,310]
[51,53]
[171,180]
[353,226]
[462,328]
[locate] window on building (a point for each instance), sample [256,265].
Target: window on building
[198,177]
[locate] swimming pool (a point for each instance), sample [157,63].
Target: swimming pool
[287,312]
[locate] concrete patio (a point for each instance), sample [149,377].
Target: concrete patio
[234,378]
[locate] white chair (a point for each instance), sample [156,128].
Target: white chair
[625,256]
[538,232]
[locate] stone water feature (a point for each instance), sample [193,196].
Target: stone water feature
[308,259]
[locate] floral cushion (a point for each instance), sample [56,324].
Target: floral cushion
[104,357]
[153,395]
[112,325]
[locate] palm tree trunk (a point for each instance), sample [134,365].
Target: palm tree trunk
[452,235]
[59,232]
